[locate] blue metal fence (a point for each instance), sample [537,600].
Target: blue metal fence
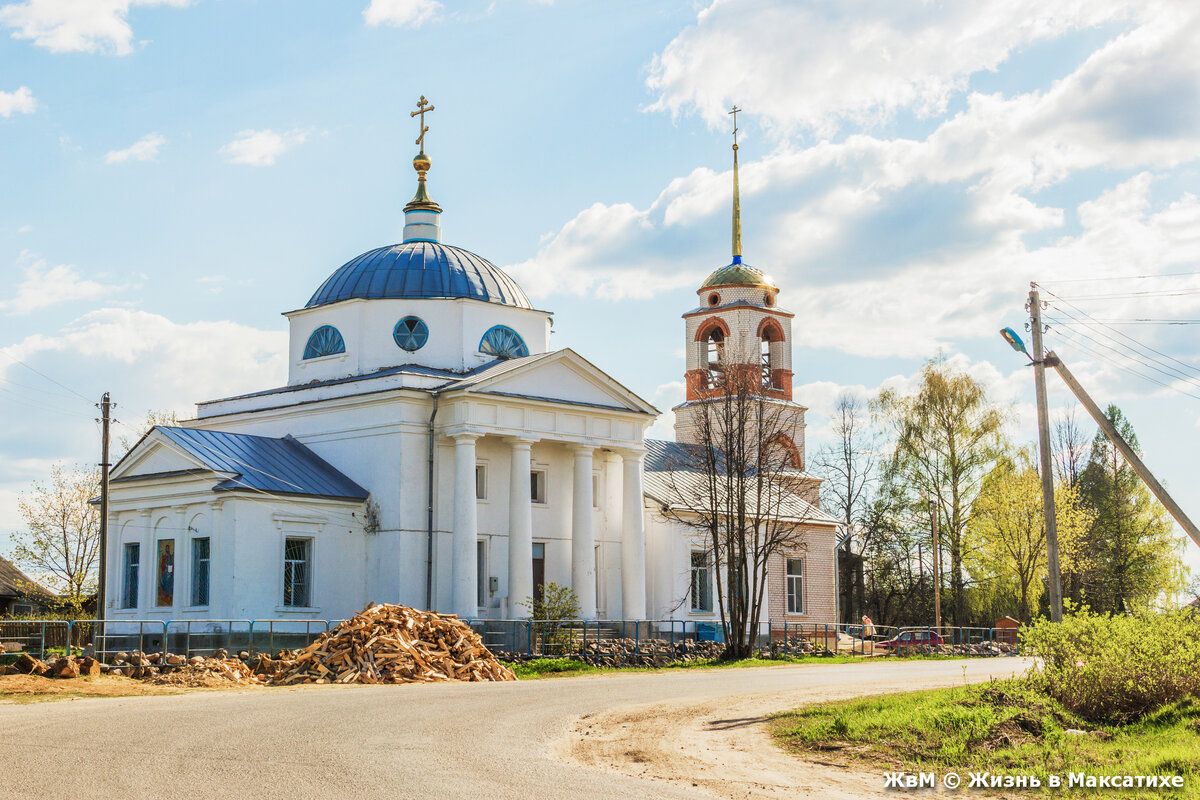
[623,641]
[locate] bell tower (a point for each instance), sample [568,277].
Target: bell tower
[737,330]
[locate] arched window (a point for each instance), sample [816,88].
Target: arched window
[324,341]
[410,334]
[714,348]
[769,333]
[502,341]
[711,337]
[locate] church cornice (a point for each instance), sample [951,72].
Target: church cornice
[735,306]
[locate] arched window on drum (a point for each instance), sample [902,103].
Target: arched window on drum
[324,341]
[502,341]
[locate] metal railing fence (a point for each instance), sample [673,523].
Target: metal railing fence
[621,642]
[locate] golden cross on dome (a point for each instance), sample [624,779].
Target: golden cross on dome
[422,107]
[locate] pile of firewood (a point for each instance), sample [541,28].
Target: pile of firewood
[391,644]
[200,671]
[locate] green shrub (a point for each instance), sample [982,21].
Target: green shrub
[1115,668]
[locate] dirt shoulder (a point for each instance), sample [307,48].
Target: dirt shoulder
[36,689]
[723,745]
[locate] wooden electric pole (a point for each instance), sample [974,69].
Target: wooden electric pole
[105,419]
[937,568]
[1054,581]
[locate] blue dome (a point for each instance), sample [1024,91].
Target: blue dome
[419,270]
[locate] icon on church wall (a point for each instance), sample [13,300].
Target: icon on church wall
[166,572]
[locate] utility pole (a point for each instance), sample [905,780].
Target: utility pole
[105,419]
[937,568]
[1039,377]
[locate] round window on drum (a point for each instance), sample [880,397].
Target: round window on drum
[411,334]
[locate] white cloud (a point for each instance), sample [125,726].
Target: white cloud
[26,228]
[902,247]
[161,362]
[44,286]
[815,65]
[401,13]
[21,101]
[666,397]
[144,149]
[67,26]
[261,148]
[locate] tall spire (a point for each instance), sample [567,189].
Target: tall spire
[421,214]
[737,200]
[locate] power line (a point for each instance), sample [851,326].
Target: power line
[1122,278]
[47,377]
[1130,295]
[1107,358]
[1136,357]
[1120,333]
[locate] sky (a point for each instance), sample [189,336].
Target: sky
[174,174]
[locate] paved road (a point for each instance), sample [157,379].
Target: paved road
[420,741]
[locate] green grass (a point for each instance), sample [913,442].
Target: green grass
[568,667]
[1002,727]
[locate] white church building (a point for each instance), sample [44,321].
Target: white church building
[430,448]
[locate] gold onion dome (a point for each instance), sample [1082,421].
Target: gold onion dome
[739,274]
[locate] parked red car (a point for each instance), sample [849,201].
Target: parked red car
[911,639]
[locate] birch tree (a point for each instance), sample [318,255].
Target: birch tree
[61,539]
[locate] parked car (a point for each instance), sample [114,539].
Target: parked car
[911,639]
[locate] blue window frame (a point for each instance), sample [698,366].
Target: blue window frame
[200,561]
[324,341]
[132,558]
[411,334]
[503,342]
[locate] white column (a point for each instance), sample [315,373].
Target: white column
[583,535]
[464,564]
[520,530]
[633,540]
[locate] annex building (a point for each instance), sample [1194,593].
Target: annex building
[430,448]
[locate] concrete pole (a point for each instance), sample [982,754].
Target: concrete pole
[1054,580]
[520,530]
[583,534]
[1160,492]
[465,564]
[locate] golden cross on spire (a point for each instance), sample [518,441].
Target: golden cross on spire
[735,127]
[422,107]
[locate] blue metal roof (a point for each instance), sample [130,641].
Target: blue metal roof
[419,270]
[277,466]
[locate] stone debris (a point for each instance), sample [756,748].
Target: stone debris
[390,644]
[651,652]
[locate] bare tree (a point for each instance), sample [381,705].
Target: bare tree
[737,484]
[849,468]
[1071,448]
[61,542]
[848,465]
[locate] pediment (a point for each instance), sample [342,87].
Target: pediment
[563,376]
[155,455]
